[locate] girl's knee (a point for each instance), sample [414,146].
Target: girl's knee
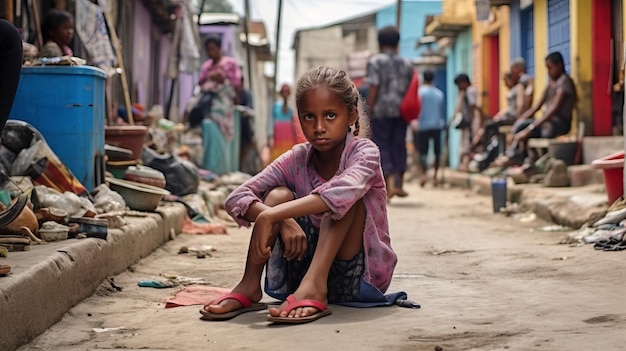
[278,195]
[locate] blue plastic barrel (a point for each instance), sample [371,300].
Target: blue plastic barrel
[67,106]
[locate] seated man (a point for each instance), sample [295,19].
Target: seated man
[488,138]
[559,99]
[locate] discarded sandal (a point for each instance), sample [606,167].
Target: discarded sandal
[9,214]
[293,303]
[619,246]
[4,269]
[246,306]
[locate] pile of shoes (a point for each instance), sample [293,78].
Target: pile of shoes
[607,233]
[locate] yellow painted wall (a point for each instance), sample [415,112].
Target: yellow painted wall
[505,49]
[541,46]
[581,59]
[498,24]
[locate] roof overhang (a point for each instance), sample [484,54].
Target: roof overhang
[259,44]
[444,26]
[500,2]
[218,18]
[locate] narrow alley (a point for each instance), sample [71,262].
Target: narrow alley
[484,281]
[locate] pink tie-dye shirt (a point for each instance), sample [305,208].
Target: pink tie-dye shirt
[359,177]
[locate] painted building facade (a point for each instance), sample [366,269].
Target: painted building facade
[589,34]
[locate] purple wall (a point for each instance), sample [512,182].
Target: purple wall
[150,84]
[142,47]
[162,83]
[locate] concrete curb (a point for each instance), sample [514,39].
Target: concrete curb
[571,206]
[50,279]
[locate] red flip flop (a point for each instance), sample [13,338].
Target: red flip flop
[293,303]
[246,306]
[4,269]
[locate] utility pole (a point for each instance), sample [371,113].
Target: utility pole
[276,53]
[246,29]
[398,13]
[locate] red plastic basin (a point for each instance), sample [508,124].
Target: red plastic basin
[612,167]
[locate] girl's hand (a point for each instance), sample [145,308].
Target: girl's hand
[260,243]
[294,239]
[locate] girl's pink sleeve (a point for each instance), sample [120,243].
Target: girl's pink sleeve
[342,191]
[255,188]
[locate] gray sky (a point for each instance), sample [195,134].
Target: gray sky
[298,14]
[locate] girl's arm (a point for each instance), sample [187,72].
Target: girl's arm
[342,191]
[248,196]
[304,206]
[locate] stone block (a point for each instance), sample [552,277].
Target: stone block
[598,147]
[581,175]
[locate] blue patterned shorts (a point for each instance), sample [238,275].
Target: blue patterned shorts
[283,277]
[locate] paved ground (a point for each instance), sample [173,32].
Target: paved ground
[485,282]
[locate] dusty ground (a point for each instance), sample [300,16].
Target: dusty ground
[485,282]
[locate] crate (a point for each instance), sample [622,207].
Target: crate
[66,104]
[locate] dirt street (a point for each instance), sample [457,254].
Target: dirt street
[485,282]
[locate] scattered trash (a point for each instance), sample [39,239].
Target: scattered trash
[105,330]
[200,251]
[554,228]
[170,281]
[530,217]
[444,252]
[159,284]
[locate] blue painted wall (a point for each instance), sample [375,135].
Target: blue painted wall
[515,29]
[414,14]
[459,61]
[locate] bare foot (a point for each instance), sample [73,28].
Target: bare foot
[304,292]
[254,293]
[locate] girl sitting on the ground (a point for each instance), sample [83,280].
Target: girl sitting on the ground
[319,213]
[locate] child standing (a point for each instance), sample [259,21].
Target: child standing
[58,31]
[320,221]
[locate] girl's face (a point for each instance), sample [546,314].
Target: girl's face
[64,33]
[325,119]
[554,70]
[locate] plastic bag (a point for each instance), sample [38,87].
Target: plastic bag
[181,176]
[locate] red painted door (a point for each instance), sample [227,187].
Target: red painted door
[494,75]
[602,58]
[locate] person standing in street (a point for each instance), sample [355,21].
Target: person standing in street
[430,125]
[388,77]
[469,119]
[282,127]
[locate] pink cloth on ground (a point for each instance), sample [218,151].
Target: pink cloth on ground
[195,295]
